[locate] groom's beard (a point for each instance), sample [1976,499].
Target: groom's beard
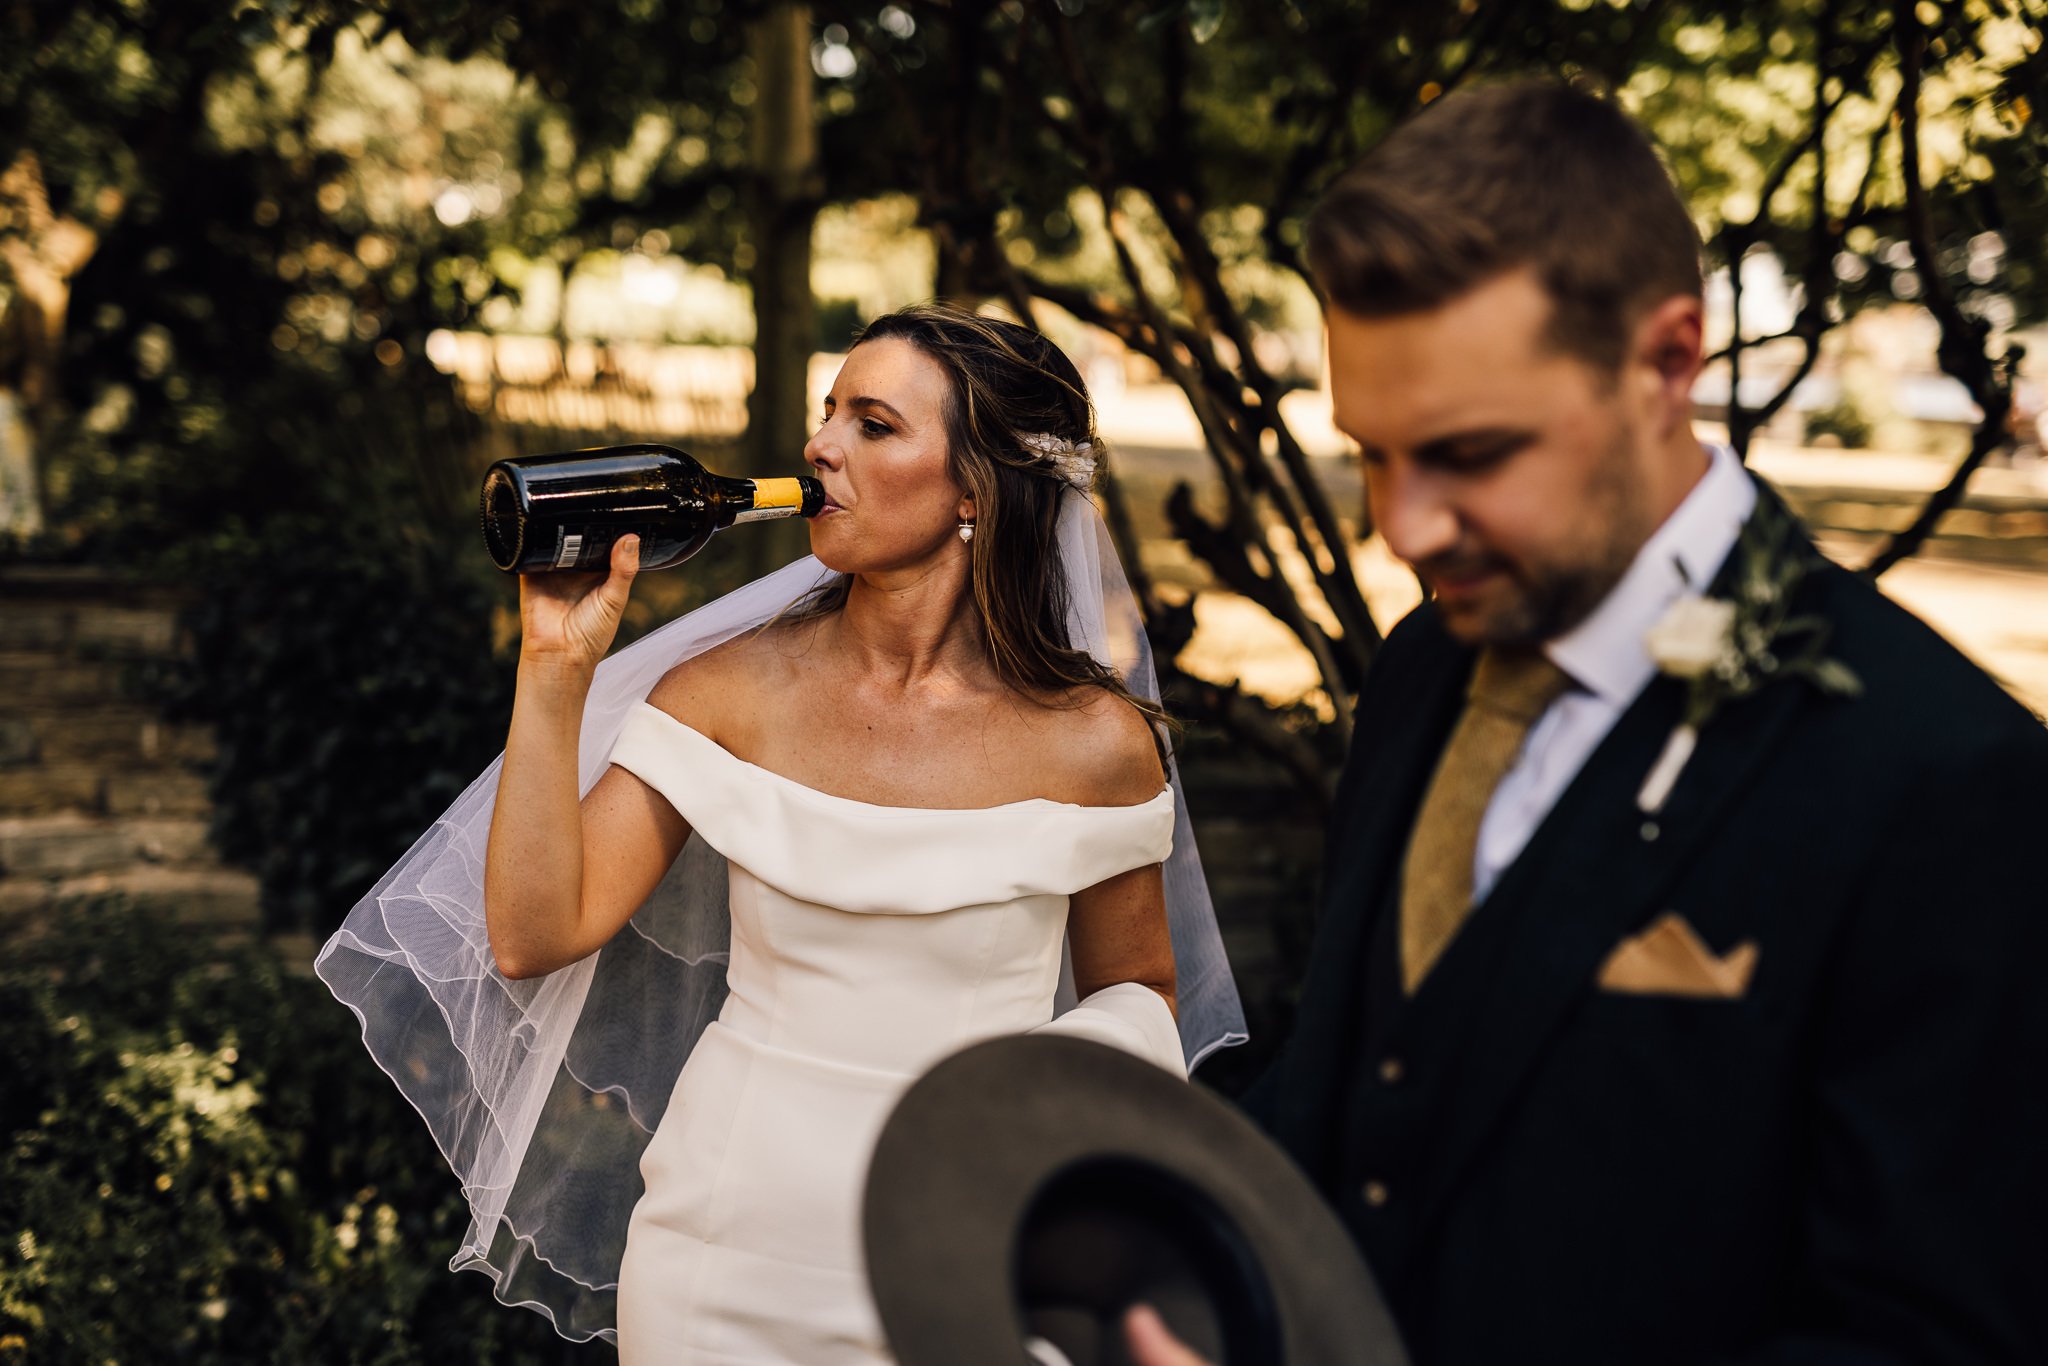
[1534,598]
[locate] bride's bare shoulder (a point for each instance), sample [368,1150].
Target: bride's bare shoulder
[1107,749]
[726,685]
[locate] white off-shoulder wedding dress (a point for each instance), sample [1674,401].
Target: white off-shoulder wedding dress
[868,942]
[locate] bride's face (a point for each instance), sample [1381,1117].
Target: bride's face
[881,454]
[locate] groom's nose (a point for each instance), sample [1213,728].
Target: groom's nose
[1409,509]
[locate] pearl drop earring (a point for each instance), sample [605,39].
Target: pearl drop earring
[966,531]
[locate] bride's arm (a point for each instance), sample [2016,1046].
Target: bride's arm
[1123,970]
[1117,929]
[1117,933]
[561,877]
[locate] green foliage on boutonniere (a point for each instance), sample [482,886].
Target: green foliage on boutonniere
[1725,649]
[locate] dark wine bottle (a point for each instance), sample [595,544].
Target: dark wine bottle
[547,512]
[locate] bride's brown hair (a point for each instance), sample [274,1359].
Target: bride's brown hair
[1007,382]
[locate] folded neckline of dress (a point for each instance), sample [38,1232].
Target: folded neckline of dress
[1165,794]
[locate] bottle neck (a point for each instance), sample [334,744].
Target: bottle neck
[761,500]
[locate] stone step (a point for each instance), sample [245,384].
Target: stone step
[200,897]
[31,677]
[155,792]
[89,629]
[113,790]
[17,742]
[40,581]
[111,731]
[37,788]
[35,625]
[126,632]
[71,843]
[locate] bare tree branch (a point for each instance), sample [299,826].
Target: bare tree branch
[1750,343]
[1231,429]
[1817,280]
[1306,503]
[1824,235]
[1222,439]
[1907,543]
[1962,352]
[1228,707]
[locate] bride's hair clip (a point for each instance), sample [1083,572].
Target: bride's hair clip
[1068,461]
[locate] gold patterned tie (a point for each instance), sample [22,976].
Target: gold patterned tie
[1509,690]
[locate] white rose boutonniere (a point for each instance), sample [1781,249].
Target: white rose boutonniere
[1694,636]
[1724,649]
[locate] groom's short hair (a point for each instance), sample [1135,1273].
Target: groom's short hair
[1526,174]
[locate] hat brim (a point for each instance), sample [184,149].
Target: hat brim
[973,1144]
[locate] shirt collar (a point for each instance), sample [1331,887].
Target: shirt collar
[1605,653]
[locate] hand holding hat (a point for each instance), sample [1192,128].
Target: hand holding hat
[1038,1188]
[1152,1343]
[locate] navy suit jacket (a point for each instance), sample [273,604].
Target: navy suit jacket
[1847,1164]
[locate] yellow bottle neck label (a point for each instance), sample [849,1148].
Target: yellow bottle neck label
[774,498]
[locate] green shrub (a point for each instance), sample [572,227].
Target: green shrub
[342,653]
[353,695]
[199,1163]
[1844,421]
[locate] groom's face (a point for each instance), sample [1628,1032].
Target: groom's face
[1517,479]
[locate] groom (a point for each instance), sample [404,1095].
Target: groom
[1750,1069]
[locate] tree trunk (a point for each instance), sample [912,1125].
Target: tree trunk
[783,203]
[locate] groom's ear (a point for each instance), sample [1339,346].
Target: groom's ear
[1665,360]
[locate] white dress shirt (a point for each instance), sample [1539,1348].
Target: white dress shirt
[1608,663]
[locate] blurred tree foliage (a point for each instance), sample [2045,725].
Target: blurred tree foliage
[199,1163]
[265,209]
[286,197]
[1882,151]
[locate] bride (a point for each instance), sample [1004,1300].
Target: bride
[745,881]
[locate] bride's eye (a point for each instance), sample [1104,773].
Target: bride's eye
[873,427]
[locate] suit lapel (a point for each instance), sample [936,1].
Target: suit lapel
[1596,869]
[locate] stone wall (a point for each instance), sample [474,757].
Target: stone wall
[100,796]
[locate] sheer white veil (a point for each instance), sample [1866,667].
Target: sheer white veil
[542,1093]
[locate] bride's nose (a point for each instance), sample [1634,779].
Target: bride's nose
[822,451]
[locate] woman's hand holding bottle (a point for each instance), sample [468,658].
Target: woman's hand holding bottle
[567,621]
[533,865]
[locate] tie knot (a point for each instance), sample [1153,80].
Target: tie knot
[1519,683]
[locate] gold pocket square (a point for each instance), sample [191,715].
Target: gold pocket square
[1670,959]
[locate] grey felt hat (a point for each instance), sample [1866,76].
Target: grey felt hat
[1028,1190]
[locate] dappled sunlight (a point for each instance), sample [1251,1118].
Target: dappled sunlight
[1237,641]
